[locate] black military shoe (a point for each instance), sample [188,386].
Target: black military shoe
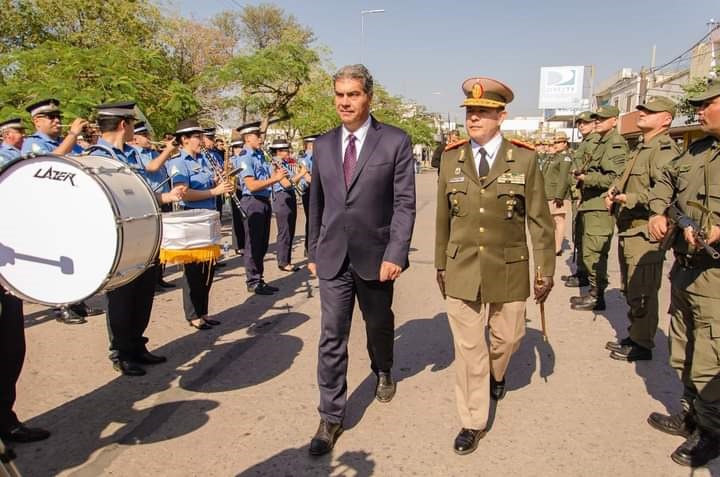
[497,388]
[23,434]
[616,345]
[386,387]
[69,317]
[632,352]
[128,368]
[324,439]
[680,424]
[260,289]
[147,357]
[577,282]
[467,440]
[578,299]
[590,302]
[270,287]
[567,277]
[699,449]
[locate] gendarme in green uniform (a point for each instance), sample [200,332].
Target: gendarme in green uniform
[606,165]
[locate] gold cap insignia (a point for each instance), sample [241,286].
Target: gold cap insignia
[477,91]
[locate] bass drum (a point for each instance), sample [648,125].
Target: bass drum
[72,226]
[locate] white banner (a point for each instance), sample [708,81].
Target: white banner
[561,87]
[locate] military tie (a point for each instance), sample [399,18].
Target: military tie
[350,160]
[483,165]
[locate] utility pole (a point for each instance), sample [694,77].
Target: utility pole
[712,25]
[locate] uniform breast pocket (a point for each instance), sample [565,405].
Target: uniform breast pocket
[457,193]
[513,195]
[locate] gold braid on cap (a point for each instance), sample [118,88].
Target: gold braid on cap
[478,100]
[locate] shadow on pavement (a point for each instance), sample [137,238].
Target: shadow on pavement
[297,462]
[524,362]
[117,412]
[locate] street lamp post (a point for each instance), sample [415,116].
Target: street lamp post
[362,28]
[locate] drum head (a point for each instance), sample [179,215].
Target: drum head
[58,238]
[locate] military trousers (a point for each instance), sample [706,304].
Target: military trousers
[641,264]
[577,234]
[597,229]
[474,360]
[695,341]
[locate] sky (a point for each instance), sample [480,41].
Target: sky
[423,50]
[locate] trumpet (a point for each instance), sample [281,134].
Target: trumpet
[278,164]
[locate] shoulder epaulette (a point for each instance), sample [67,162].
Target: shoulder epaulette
[457,144]
[520,143]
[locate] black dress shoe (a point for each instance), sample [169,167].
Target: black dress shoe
[211,322]
[577,282]
[163,284]
[220,264]
[386,387]
[69,317]
[567,277]
[497,388]
[129,368]
[616,345]
[270,287]
[699,449]
[200,326]
[83,309]
[146,357]
[260,289]
[324,439]
[594,303]
[23,434]
[467,440]
[632,352]
[680,424]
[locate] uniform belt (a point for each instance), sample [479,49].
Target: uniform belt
[696,260]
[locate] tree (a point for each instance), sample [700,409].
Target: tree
[265,25]
[695,86]
[313,110]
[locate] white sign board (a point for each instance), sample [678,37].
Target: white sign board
[561,87]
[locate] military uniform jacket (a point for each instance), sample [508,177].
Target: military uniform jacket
[606,165]
[556,174]
[582,155]
[480,227]
[692,177]
[648,161]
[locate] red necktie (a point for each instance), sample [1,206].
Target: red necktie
[350,160]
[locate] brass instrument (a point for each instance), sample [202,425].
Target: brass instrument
[278,164]
[223,175]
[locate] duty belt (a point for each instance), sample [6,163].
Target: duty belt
[696,260]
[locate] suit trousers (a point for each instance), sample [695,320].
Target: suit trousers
[337,299]
[257,236]
[196,291]
[473,360]
[128,315]
[285,208]
[12,355]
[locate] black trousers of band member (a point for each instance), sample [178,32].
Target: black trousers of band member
[238,227]
[285,208]
[160,269]
[219,201]
[306,209]
[12,356]
[337,300]
[257,236]
[128,315]
[196,290]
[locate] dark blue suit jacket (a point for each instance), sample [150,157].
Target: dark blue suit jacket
[372,221]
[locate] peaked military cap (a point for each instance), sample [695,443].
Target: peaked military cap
[188,126]
[237,143]
[560,136]
[658,104]
[586,116]
[44,106]
[607,111]
[140,127]
[487,92]
[279,144]
[249,128]
[712,91]
[123,109]
[12,123]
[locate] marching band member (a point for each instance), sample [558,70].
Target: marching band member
[236,147]
[193,169]
[285,206]
[257,181]
[130,305]
[12,132]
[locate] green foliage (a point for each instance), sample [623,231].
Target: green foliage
[313,110]
[695,86]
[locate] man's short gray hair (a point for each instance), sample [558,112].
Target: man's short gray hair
[358,72]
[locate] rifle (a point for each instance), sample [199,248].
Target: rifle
[680,221]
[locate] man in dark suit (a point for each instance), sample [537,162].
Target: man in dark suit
[362,212]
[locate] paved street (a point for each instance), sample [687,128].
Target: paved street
[240,399]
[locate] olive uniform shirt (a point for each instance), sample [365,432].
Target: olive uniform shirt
[606,165]
[556,174]
[480,226]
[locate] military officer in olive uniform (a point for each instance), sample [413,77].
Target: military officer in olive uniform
[693,182]
[489,189]
[585,123]
[556,174]
[641,259]
[605,166]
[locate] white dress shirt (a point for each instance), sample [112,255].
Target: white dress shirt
[359,134]
[491,147]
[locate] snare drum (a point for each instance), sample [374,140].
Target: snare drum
[190,236]
[73,226]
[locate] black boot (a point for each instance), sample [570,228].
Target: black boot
[577,281]
[594,301]
[700,448]
[680,424]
